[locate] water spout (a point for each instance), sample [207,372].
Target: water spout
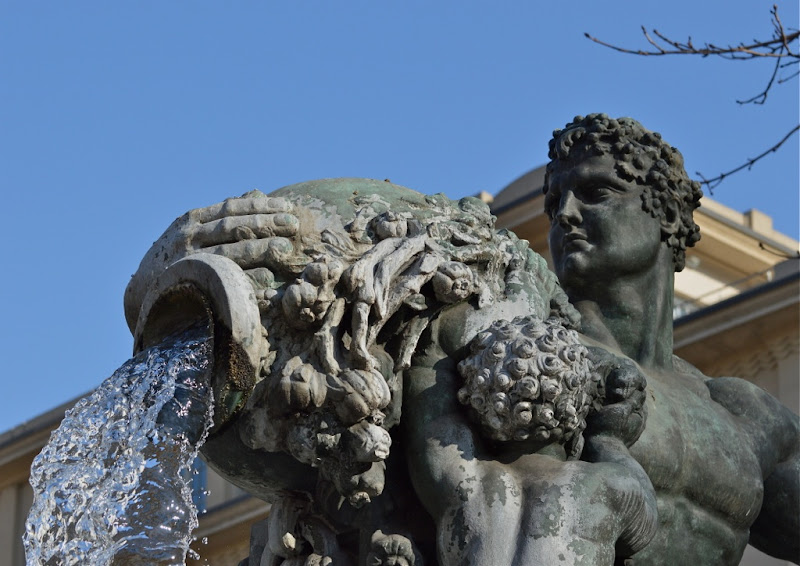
[212,290]
[109,486]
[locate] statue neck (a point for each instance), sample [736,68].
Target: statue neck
[632,314]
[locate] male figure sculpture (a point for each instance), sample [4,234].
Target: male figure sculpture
[676,468]
[723,455]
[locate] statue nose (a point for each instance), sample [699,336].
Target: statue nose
[569,213]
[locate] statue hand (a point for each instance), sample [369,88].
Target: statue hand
[252,230]
[390,550]
[623,413]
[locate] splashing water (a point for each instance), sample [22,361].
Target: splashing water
[110,486]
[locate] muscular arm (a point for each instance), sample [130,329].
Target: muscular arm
[446,473]
[633,496]
[775,433]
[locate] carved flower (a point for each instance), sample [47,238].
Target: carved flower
[504,329]
[569,355]
[453,282]
[549,364]
[481,341]
[517,367]
[298,304]
[367,442]
[463,396]
[534,329]
[497,352]
[500,403]
[572,380]
[477,401]
[390,225]
[527,388]
[503,381]
[523,414]
[524,348]
[547,343]
[550,389]
[546,415]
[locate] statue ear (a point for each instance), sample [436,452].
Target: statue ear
[672,217]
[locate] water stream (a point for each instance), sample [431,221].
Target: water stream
[110,487]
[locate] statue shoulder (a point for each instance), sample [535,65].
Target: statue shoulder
[743,398]
[739,396]
[774,428]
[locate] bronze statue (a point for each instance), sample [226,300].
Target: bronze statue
[723,455]
[421,394]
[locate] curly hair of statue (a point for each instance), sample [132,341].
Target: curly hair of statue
[641,156]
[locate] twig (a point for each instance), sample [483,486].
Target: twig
[778,46]
[785,79]
[762,97]
[715,181]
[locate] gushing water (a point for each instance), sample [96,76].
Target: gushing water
[110,486]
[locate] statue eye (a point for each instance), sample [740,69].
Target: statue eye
[594,193]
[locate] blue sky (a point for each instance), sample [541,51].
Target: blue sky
[116,117]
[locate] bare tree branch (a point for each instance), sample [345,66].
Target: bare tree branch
[778,46]
[785,79]
[714,181]
[762,97]
[782,46]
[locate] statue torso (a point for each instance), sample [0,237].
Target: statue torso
[699,457]
[705,471]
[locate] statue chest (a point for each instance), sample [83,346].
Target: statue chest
[699,457]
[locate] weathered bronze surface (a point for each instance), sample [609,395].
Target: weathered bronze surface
[426,392]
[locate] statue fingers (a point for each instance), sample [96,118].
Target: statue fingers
[248,227]
[611,419]
[254,202]
[262,252]
[624,420]
[624,382]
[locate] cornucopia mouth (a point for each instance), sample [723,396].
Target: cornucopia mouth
[212,291]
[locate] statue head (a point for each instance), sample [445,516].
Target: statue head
[529,379]
[642,157]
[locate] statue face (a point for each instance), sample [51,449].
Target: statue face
[598,229]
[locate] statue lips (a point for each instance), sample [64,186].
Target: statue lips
[574,241]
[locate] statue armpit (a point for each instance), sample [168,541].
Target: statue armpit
[620,409]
